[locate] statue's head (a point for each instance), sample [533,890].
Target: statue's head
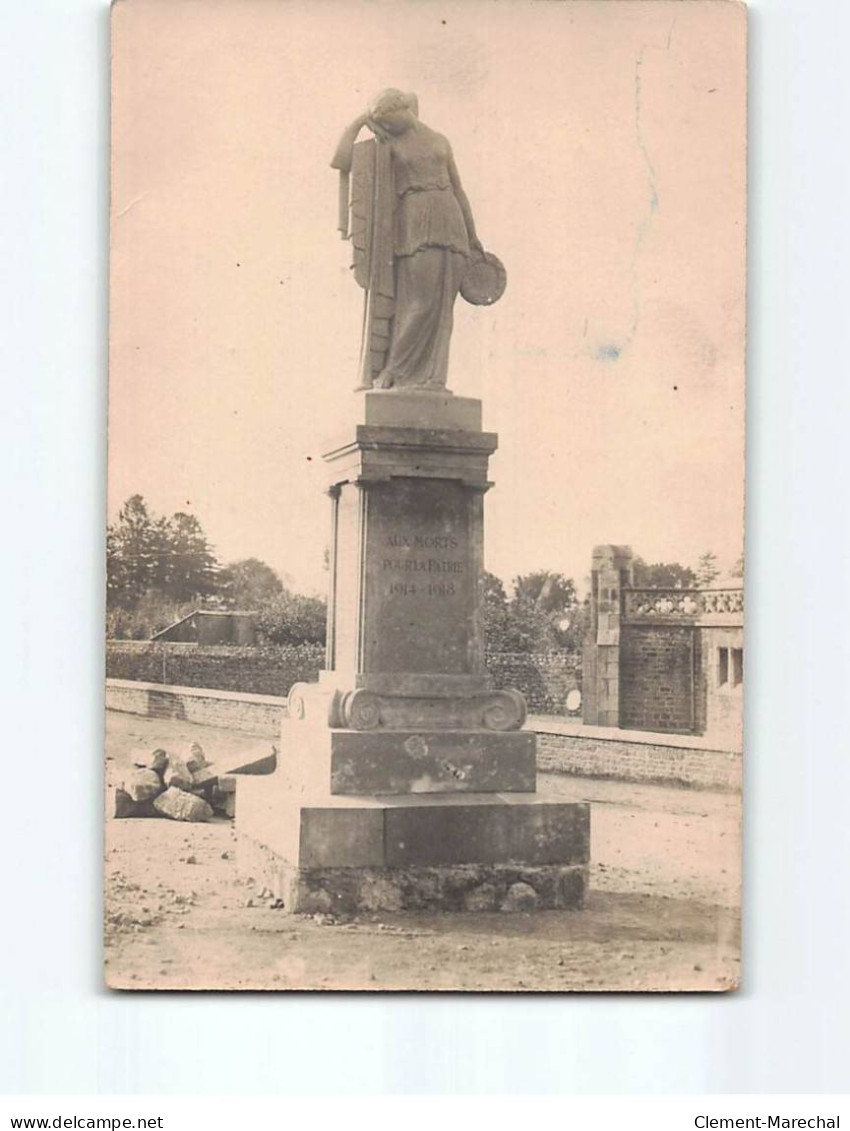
[394,110]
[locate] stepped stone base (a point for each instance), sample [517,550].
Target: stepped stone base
[447,887]
[453,853]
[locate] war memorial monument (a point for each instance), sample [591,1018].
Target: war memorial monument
[405,780]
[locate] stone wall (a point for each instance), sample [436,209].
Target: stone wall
[657,678]
[232,710]
[544,678]
[564,746]
[257,670]
[637,760]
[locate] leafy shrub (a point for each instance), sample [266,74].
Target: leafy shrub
[292,618]
[150,615]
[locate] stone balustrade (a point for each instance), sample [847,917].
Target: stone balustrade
[686,605]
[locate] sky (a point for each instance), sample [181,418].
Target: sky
[602,145]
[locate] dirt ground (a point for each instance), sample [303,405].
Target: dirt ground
[662,913]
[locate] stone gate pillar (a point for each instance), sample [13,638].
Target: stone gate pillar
[611,571]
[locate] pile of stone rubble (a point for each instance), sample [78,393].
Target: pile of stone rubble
[178,784]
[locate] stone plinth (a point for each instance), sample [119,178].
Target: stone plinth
[437,851]
[341,761]
[404,779]
[418,408]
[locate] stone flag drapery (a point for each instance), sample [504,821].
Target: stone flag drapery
[372,213]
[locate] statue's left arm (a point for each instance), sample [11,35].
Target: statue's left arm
[463,201]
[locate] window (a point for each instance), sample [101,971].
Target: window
[730,667]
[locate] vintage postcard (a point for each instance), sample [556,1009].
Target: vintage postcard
[425,661]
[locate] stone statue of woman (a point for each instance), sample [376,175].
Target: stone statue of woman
[414,237]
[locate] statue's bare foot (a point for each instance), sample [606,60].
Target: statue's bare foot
[384,380]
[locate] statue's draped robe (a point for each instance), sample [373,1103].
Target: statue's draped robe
[410,248]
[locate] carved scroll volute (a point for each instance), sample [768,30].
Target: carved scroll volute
[295,706]
[361,710]
[505,710]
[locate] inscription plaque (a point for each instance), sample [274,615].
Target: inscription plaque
[421,581]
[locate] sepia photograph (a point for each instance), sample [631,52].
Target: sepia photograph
[425,544]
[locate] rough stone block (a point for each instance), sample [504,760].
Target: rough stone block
[181,806]
[484,897]
[147,758]
[143,785]
[205,779]
[530,833]
[191,754]
[177,773]
[519,897]
[125,806]
[224,803]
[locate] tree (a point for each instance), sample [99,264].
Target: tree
[707,569]
[493,590]
[543,615]
[146,554]
[133,549]
[573,629]
[554,600]
[191,570]
[663,575]
[550,592]
[116,573]
[737,570]
[248,584]
[495,603]
[292,618]
[519,627]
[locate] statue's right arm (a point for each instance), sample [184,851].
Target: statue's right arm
[342,157]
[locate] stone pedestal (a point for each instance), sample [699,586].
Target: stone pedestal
[404,779]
